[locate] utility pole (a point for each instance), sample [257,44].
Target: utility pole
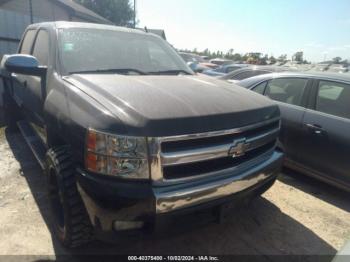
[31,11]
[134,13]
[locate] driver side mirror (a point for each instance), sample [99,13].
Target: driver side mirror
[23,64]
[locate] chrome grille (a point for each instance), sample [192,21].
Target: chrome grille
[196,155]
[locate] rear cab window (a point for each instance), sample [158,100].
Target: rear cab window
[260,88]
[333,98]
[230,69]
[286,90]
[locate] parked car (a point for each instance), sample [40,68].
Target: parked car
[338,68]
[225,69]
[188,57]
[221,61]
[251,71]
[321,67]
[315,110]
[129,137]
[199,64]
[206,58]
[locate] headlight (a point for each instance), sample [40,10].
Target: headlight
[120,156]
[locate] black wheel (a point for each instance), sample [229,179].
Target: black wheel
[70,219]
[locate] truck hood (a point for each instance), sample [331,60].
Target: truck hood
[173,105]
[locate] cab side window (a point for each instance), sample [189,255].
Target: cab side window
[260,88]
[286,90]
[248,74]
[333,98]
[27,42]
[230,69]
[41,47]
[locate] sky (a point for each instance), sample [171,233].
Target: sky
[319,28]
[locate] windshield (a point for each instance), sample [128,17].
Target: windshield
[100,50]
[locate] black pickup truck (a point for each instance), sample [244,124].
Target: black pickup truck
[129,137]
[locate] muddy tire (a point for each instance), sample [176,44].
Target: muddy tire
[70,220]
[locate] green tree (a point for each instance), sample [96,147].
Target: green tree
[120,12]
[282,58]
[263,60]
[273,60]
[298,57]
[237,57]
[336,60]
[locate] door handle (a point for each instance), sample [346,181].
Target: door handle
[316,129]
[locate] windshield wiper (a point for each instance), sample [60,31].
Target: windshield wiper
[170,72]
[112,70]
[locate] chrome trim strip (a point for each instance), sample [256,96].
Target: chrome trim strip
[212,152]
[218,133]
[167,201]
[195,155]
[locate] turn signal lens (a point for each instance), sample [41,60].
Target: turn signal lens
[91,141]
[96,142]
[96,163]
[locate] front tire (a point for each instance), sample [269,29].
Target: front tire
[70,220]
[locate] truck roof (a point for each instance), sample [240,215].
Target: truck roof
[65,24]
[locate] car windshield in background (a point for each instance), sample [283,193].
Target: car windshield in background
[100,50]
[192,58]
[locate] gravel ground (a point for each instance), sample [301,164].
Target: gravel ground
[297,216]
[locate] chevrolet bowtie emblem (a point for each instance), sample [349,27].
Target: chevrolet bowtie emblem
[239,147]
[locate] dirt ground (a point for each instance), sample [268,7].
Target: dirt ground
[297,216]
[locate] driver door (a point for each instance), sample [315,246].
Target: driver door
[19,81]
[36,87]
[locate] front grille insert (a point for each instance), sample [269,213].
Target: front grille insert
[217,164]
[173,146]
[194,155]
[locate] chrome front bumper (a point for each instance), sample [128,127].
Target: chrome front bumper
[232,181]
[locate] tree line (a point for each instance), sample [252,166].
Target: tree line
[260,58]
[251,57]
